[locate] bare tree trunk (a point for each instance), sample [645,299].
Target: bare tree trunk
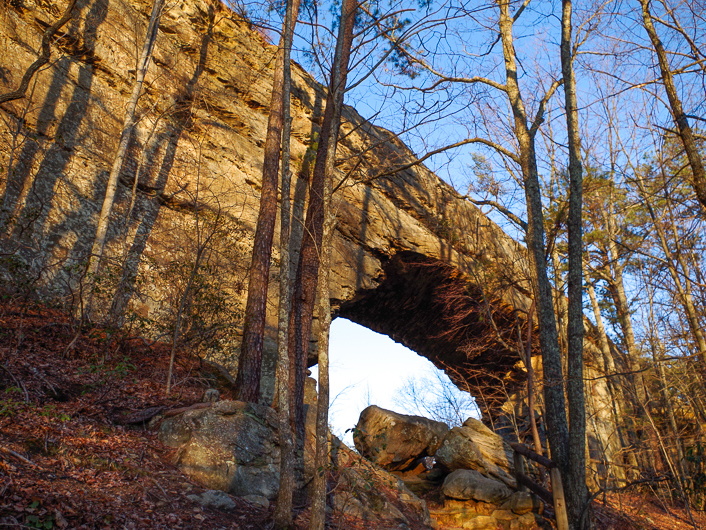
[686,135]
[616,285]
[125,135]
[319,489]
[44,56]
[250,360]
[575,486]
[657,348]
[616,392]
[634,378]
[679,270]
[314,261]
[282,516]
[557,427]
[309,256]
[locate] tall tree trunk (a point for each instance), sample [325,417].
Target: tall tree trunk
[616,286]
[321,461]
[250,360]
[557,427]
[679,270]
[337,87]
[634,377]
[686,134]
[575,487]
[282,516]
[125,135]
[309,256]
[615,390]
[657,350]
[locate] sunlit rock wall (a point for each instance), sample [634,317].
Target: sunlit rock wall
[411,258]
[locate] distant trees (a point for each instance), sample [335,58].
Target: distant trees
[435,396]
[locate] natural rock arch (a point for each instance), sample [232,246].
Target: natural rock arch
[433,310]
[412,258]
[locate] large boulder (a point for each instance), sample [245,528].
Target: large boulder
[521,502]
[394,441]
[475,446]
[468,484]
[229,446]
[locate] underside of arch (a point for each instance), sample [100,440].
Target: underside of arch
[433,309]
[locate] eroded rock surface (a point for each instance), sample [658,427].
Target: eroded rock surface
[371,494]
[465,484]
[471,484]
[395,441]
[475,446]
[230,446]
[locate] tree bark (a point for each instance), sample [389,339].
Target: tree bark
[319,489]
[282,516]
[686,134]
[309,256]
[576,490]
[250,360]
[339,75]
[557,427]
[616,391]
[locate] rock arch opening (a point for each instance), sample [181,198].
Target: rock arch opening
[436,311]
[368,368]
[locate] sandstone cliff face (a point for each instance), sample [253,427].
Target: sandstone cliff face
[411,258]
[197,154]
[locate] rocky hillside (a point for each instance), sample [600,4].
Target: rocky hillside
[78,449]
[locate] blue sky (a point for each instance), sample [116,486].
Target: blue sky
[367,368]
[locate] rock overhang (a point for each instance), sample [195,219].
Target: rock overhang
[412,258]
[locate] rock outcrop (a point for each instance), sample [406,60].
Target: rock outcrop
[412,259]
[465,484]
[475,446]
[229,446]
[471,484]
[232,446]
[396,441]
[370,494]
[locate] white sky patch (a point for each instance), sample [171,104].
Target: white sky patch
[366,368]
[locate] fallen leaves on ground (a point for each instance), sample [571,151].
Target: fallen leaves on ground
[64,460]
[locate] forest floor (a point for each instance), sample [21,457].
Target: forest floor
[67,459]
